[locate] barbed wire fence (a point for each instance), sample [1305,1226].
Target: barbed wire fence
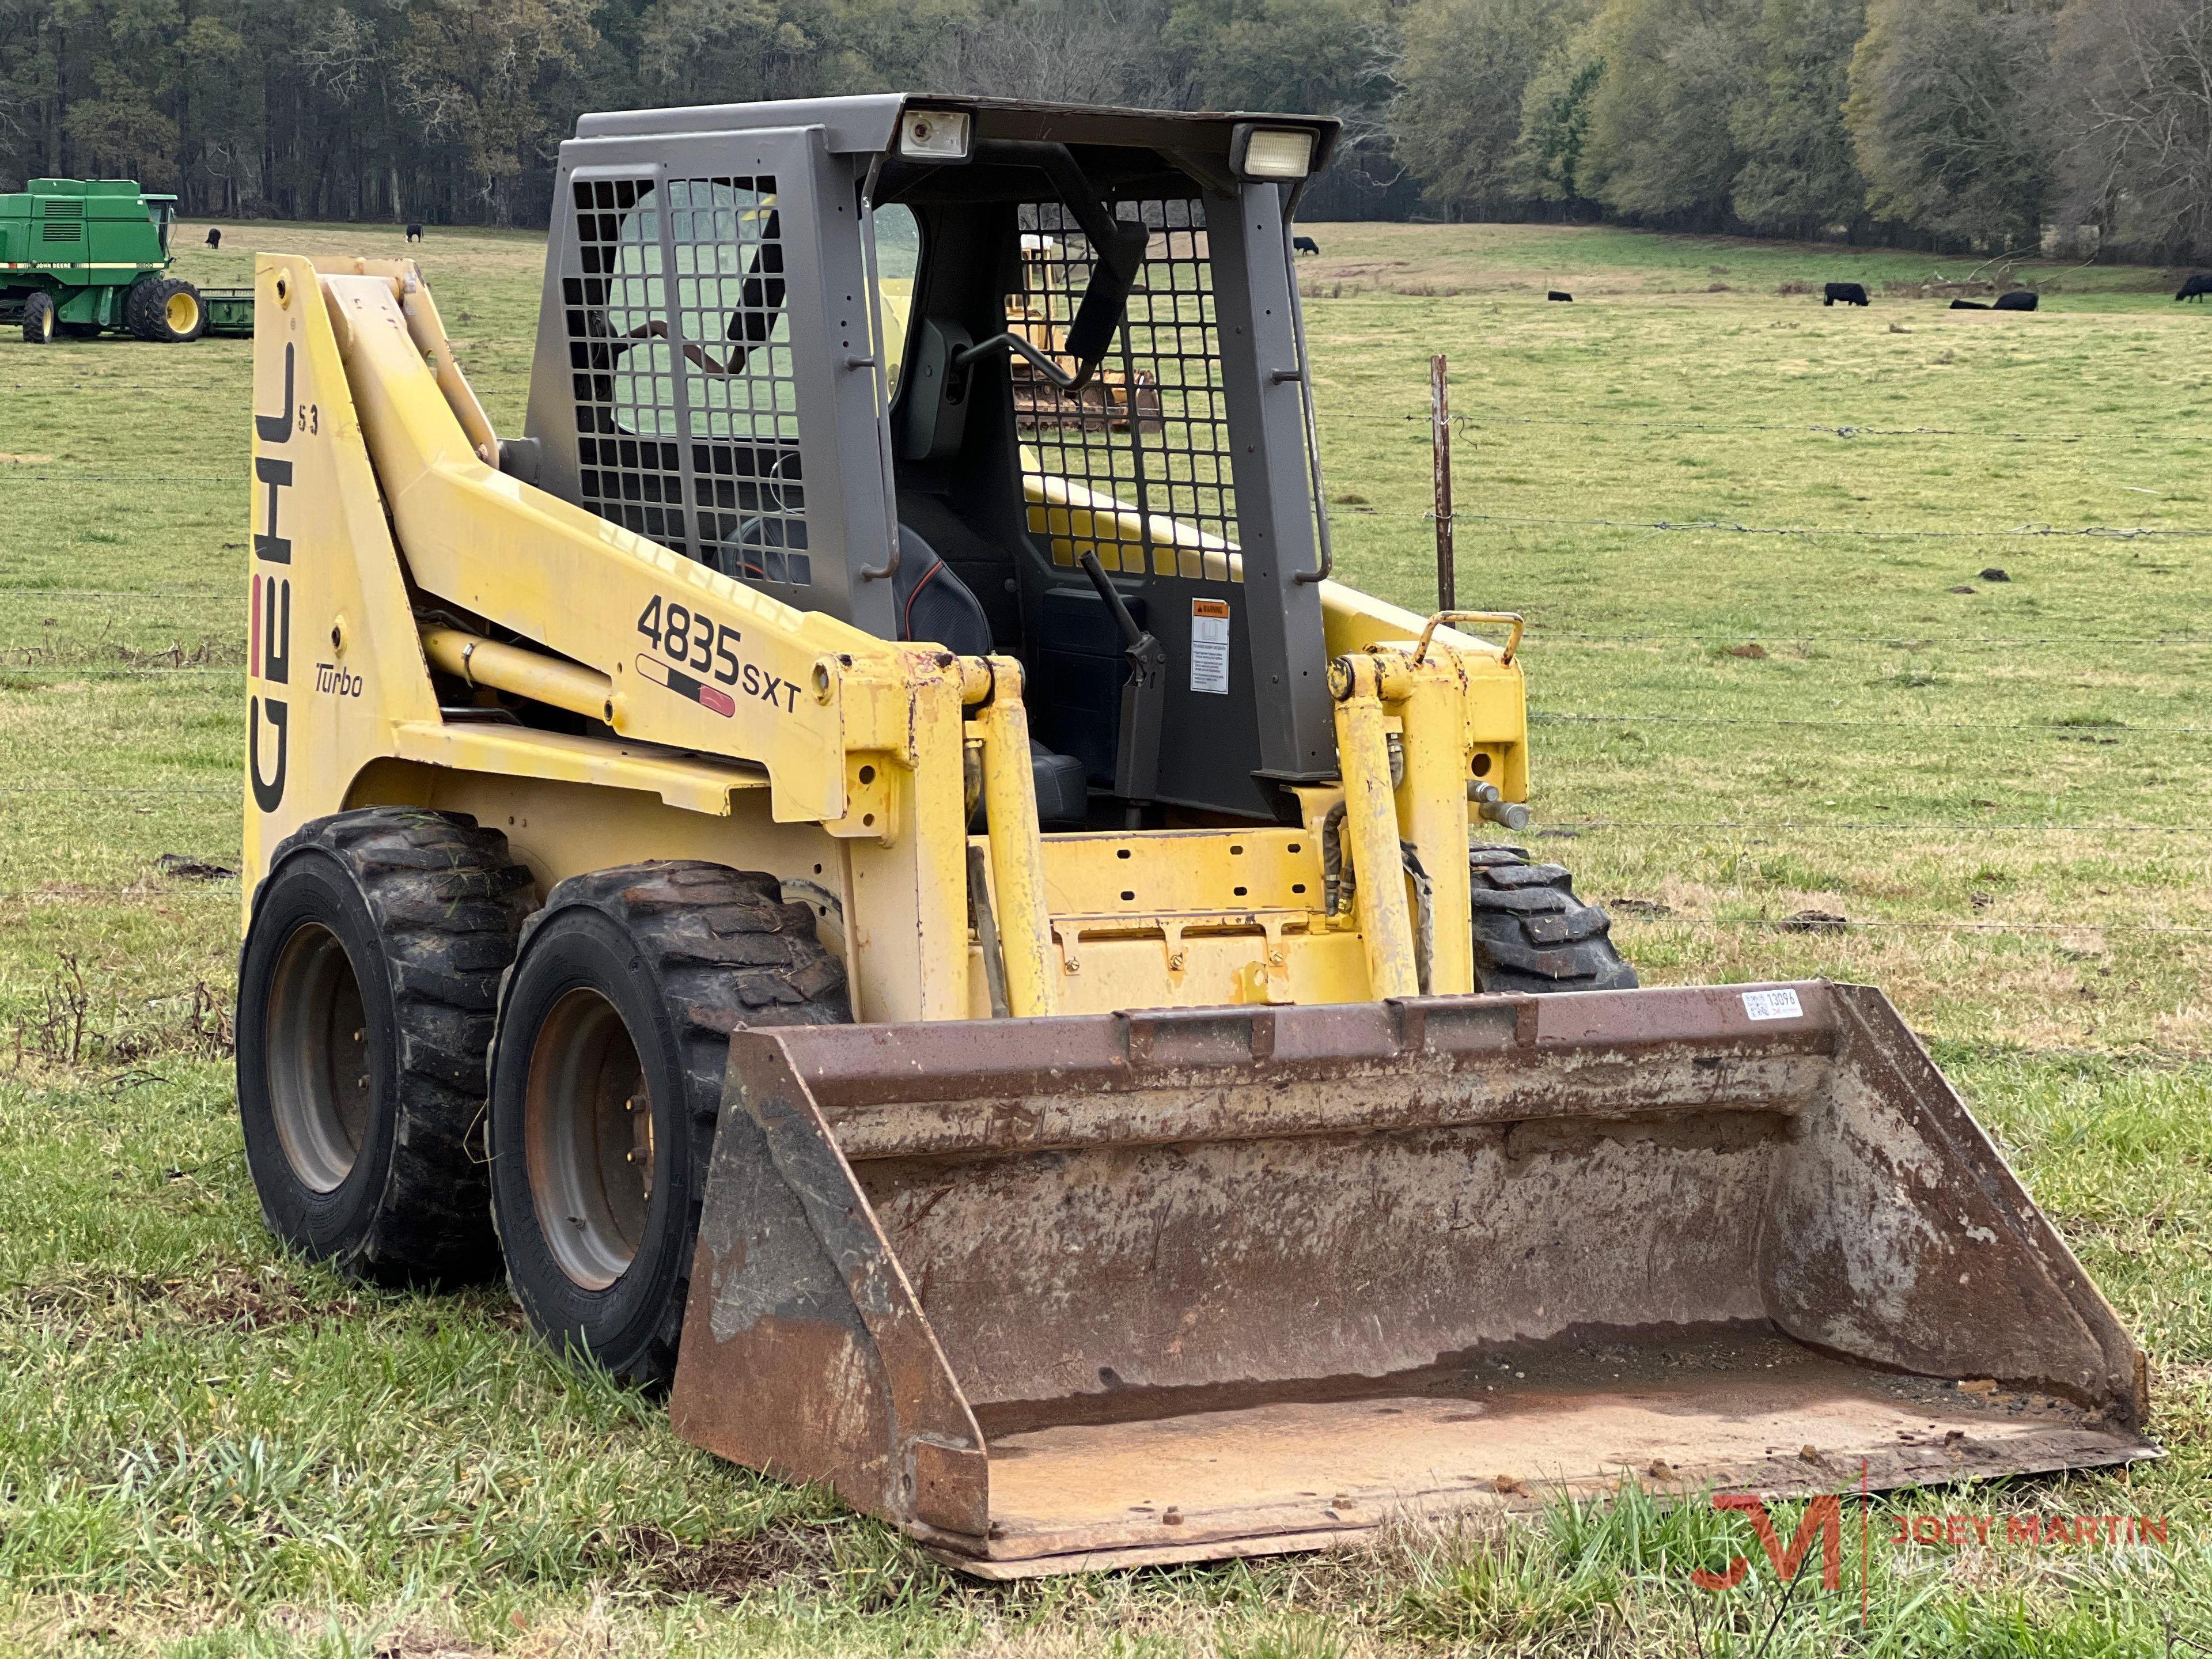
[1461,519]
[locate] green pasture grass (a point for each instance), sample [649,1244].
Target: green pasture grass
[1990,803]
[1608,261]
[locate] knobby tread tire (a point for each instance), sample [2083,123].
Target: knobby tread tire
[726,951]
[448,902]
[40,327]
[1532,934]
[146,309]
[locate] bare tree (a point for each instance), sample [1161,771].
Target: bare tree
[2133,92]
[1084,52]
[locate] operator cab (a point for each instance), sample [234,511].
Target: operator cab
[162,210]
[1073,426]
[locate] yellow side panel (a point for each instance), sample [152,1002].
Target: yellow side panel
[334,659]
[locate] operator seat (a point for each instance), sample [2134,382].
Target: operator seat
[935,605]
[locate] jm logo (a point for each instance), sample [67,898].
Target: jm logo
[1823,1519]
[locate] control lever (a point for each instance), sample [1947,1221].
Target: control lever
[1013,343]
[1144,697]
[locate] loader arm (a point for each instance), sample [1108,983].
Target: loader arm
[692,659]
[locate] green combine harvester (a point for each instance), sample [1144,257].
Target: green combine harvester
[79,258]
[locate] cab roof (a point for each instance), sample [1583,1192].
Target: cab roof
[867,123]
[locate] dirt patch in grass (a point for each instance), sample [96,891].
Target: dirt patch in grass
[224,1298]
[727,1569]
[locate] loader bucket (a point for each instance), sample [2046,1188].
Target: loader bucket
[1067,1293]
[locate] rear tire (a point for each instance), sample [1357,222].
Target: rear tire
[1533,935]
[166,310]
[606,1087]
[366,993]
[38,323]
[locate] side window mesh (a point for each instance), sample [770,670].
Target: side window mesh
[1137,466]
[686,396]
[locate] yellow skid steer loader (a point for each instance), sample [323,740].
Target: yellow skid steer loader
[945,940]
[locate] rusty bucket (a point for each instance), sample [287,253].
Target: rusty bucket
[1069,1293]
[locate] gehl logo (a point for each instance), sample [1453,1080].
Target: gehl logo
[269,647]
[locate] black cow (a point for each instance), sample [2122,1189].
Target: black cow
[1848,293]
[2196,288]
[2020,298]
[1968,305]
[1304,245]
[215,237]
[414,230]
[1560,293]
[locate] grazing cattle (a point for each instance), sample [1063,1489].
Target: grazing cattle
[215,237]
[2196,288]
[1560,293]
[1304,245]
[2020,298]
[1968,305]
[1850,293]
[414,230]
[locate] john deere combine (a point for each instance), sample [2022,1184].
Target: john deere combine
[941,935]
[78,259]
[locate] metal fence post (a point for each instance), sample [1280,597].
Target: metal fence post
[1440,432]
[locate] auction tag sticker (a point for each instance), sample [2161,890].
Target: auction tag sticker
[1772,1004]
[1209,646]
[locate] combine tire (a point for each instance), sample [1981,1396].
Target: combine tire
[1532,934]
[167,310]
[365,1001]
[607,1085]
[39,324]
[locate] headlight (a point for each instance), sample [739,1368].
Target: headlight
[1272,152]
[934,135]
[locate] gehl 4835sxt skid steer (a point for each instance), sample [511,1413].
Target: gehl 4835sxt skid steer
[936,932]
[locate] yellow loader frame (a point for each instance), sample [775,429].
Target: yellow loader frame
[785,740]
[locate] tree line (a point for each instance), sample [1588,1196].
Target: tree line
[453,110]
[1979,123]
[1965,123]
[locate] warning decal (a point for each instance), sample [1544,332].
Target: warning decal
[1209,646]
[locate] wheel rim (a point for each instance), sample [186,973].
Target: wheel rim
[321,1087]
[184,313]
[45,324]
[589,1139]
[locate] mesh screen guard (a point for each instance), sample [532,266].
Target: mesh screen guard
[686,388]
[1143,450]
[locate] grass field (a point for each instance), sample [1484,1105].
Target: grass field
[1773,672]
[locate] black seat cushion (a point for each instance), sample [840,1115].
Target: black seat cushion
[1063,788]
[934,606]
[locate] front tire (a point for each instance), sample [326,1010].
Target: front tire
[365,999]
[164,310]
[39,322]
[606,1087]
[1533,934]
